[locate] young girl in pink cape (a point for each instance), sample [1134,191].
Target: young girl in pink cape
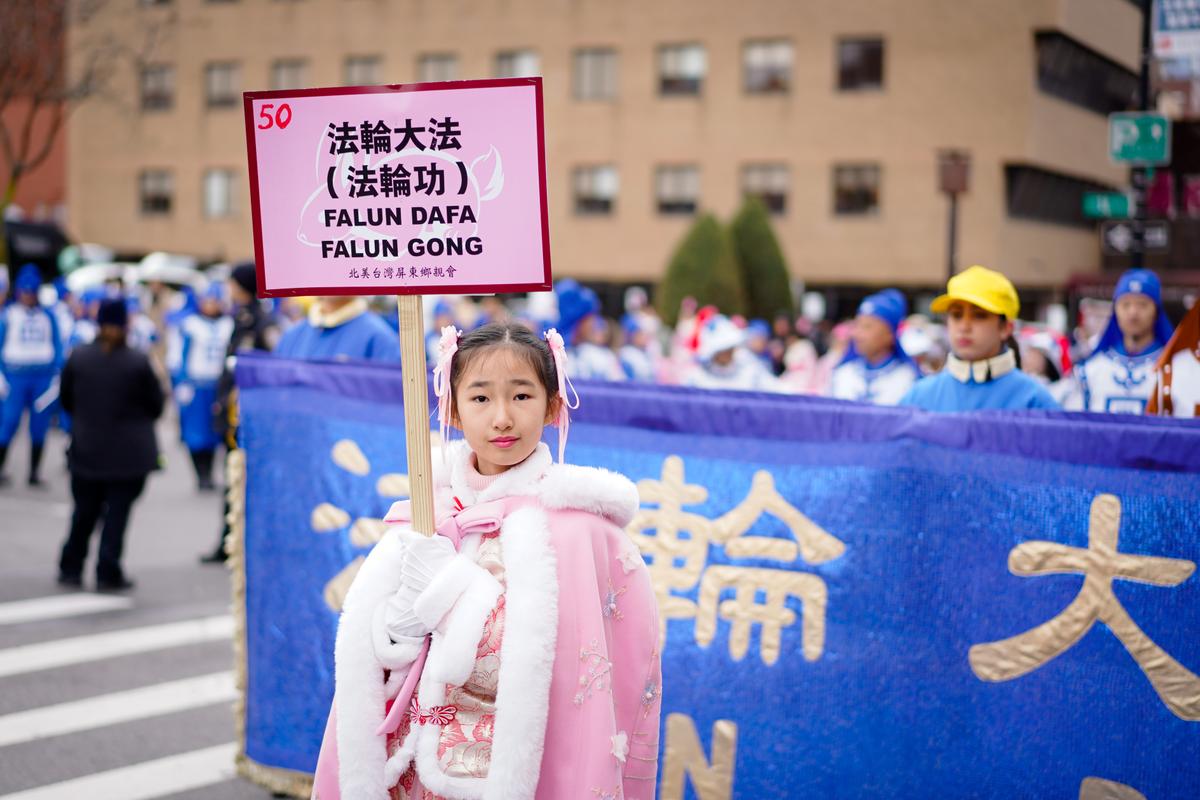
[514,654]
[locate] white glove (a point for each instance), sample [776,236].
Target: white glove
[424,558]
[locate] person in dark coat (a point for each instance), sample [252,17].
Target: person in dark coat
[113,397]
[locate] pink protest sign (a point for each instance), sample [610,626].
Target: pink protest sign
[433,188]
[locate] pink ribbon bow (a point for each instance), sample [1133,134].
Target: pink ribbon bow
[447,347]
[480,518]
[558,351]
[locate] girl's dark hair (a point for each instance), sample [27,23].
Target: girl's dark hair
[1011,343]
[506,334]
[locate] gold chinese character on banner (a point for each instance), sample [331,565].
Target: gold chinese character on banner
[1100,789]
[365,531]
[744,610]
[1100,564]
[679,552]
[679,546]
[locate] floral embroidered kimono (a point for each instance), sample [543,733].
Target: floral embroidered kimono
[542,679]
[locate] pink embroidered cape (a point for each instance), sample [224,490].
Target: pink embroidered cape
[542,680]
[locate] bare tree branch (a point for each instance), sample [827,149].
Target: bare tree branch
[39,88]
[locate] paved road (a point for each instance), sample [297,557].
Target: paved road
[107,696]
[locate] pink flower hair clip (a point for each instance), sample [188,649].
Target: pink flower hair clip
[447,347]
[558,351]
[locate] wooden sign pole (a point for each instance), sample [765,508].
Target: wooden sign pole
[416,412]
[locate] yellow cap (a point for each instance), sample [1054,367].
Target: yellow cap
[983,287]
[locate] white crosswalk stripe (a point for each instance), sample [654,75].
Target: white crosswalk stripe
[150,779]
[157,777]
[81,649]
[57,606]
[111,709]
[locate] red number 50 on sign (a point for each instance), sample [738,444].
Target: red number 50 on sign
[283,116]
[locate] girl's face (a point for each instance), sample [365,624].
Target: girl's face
[501,407]
[975,333]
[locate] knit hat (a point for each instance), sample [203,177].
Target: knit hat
[888,305]
[718,334]
[1143,282]
[575,303]
[28,279]
[113,311]
[245,276]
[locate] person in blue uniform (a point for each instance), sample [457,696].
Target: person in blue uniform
[875,368]
[31,356]
[1118,376]
[63,314]
[983,370]
[183,306]
[442,315]
[636,354]
[586,333]
[341,329]
[723,362]
[203,338]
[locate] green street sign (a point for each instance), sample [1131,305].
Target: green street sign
[1139,138]
[1106,205]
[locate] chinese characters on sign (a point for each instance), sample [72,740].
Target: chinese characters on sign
[1100,564]
[412,190]
[390,177]
[679,553]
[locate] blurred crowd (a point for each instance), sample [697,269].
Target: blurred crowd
[883,355]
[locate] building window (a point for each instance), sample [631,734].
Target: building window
[221,84]
[769,183]
[677,189]
[433,67]
[517,64]
[289,73]
[856,189]
[860,64]
[363,70]
[158,87]
[681,69]
[595,189]
[767,65]
[1039,194]
[155,192]
[1070,71]
[218,193]
[595,74]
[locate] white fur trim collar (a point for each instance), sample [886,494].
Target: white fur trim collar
[559,487]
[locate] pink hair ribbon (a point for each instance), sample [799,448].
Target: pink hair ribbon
[559,352]
[447,347]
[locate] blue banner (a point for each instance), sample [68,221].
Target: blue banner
[859,602]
